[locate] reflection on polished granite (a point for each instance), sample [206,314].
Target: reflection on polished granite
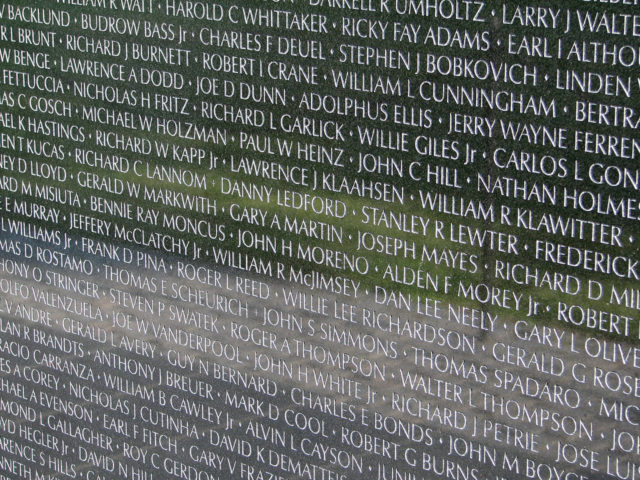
[399,243]
[204,372]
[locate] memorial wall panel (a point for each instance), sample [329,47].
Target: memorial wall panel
[319,239]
